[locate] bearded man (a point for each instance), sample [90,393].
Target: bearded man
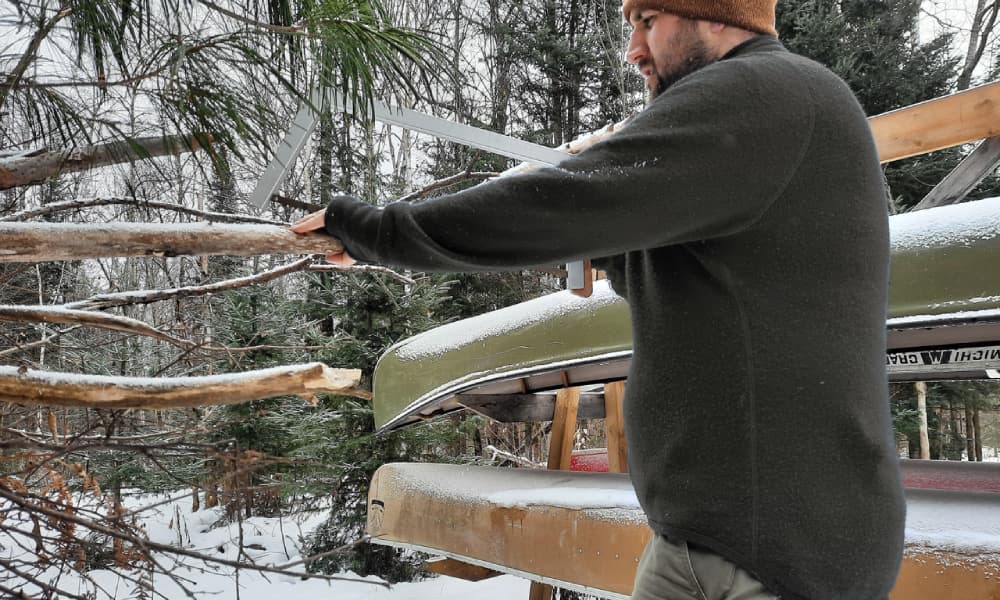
[742,216]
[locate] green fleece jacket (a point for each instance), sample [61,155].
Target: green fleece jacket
[742,215]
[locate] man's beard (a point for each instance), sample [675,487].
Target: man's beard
[696,56]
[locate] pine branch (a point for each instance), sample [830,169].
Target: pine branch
[363,269]
[29,54]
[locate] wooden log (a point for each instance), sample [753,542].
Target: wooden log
[46,388]
[965,177]
[614,424]
[563,428]
[35,166]
[960,118]
[39,242]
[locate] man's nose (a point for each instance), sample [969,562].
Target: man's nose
[637,49]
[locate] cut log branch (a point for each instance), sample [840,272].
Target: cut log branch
[52,314]
[46,388]
[39,242]
[35,166]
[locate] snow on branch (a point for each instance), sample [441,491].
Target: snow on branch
[47,388]
[42,242]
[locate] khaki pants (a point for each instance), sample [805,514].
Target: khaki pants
[671,571]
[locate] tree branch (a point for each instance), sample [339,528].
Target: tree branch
[68,205]
[29,54]
[363,269]
[58,314]
[35,166]
[38,242]
[103,301]
[45,342]
[148,545]
[448,182]
[46,388]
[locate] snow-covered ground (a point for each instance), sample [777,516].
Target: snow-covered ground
[266,541]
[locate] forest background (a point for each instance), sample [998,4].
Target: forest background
[97,84]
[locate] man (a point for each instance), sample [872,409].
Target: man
[741,214]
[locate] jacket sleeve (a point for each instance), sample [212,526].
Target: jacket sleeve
[706,159]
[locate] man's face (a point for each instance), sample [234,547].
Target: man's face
[665,47]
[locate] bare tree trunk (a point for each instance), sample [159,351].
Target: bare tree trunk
[36,166]
[979,434]
[983,21]
[970,434]
[925,446]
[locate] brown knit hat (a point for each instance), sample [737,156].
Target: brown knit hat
[754,15]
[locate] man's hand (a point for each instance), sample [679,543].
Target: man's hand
[315,221]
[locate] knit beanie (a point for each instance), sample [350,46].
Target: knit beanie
[754,15]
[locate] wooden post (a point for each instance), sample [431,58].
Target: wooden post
[560,455]
[563,428]
[614,424]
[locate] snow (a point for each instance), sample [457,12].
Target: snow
[575,499]
[949,522]
[964,316]
[170,521]
[512,488]
[459,334]
[955,225]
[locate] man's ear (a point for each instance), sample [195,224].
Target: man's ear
[716,28]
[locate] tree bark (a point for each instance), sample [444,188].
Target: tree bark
[39,242]
[984,19]
[925,445]
[46,388]
[36,166]
[970,434]
[977,428]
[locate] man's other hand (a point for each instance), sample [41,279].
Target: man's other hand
[314,222]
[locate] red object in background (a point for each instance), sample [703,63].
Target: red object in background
[951,475]
[918,474]
[594,461]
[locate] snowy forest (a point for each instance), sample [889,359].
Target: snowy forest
[168,111]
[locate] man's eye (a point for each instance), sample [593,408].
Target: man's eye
[647,22]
